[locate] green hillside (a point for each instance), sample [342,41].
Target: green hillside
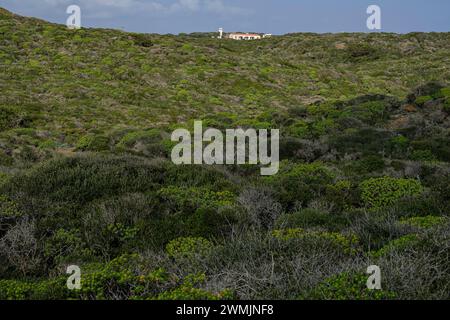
[86,176]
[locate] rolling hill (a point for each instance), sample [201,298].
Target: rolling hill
[86,176]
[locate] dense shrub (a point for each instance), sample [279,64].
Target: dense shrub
[357,52]
[51,289]
[424,222]
[402,243]
[366,165]
[347,286]
[149,143]
[9,119]
[306,218]
[342,195]
[8,208]
[380,192]
[188,199]
[93,143]
[346,243]
[188,248]
[300,183]
[366,141]
[85,178]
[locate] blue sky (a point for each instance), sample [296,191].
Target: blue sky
[269,16]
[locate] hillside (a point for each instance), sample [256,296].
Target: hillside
[86,176]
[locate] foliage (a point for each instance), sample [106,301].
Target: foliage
[86,176]
[401,243]
[380,192]
[93,143]
[348,286]
[346,243]
[188,247]
[424,222]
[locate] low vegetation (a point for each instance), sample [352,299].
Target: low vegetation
[86,177]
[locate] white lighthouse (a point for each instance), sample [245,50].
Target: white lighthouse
[220,33]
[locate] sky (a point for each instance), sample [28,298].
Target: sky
[265,16]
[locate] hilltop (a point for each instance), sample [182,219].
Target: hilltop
[92,79]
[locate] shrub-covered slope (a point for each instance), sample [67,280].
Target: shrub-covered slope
[86,178]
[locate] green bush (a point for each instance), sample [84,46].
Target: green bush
[5,160]
[381,192]
[368,164]
[211,222]
[347,243]
[365,141]
[347,286]
[8,208]
[305,218]
[51,289]
[421,101]
[399,144]
[188,291]
[423,155]
[65,246]
[424,222]
[188,248]
[147,137]
[188,199]
[357,52]
[124,277]
[86,178]
[446,107]
[300,183]
[343,194]
[8,119]
[396,245]
[93,143]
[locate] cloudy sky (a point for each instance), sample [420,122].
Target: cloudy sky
[270,16]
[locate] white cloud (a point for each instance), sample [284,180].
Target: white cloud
[118,7]
[192,5]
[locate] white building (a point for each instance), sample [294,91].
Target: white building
[244,36]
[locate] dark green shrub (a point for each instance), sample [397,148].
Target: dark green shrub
[366,165]
[211,223]
[347,286]
[425,92]
[5,160]
[147,142]
[403,243]
[300,183]
[52,289]
[188,291]
[380,192]
[8,208]
[305,218]
[93,143]
[366,141]
[189,248]
[343,195]
[85,178]
[439,146]
[423,155]
[345,243]
[358,52]
[142,40]
[424,222]
[9,119]
[422,100]
[188,199]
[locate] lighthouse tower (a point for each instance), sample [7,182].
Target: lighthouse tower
[220,33]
